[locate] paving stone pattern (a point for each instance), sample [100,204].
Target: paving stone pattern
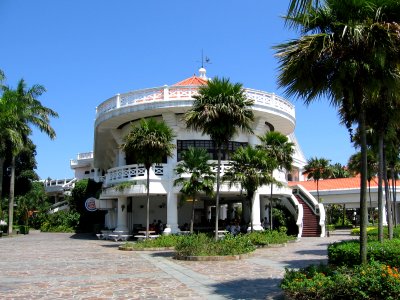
[65,266]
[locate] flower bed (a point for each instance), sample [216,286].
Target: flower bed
[371,281]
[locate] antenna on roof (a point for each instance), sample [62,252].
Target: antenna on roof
[204,59]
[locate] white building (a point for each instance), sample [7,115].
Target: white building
[126,207]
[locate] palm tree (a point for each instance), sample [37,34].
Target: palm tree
[346,53]
[219,110]
[22,109]
[354,165]
[149,143]
[281,151]
[202,178]
[339,171]
[251,168]
[317,169]
[297,7]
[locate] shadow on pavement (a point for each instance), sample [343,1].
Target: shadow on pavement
[83,236]
[319,252]
[265,288]
[165,254]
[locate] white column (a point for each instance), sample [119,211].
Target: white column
[172,214]
[121,158]
[223,211]
[256,213]
[122,216]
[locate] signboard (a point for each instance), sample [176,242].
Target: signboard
[90,204]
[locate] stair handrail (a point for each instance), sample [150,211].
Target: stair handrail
[307,198]
[300,214]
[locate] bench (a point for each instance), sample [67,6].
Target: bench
[142,237]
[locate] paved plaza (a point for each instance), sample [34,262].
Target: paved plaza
[68,266]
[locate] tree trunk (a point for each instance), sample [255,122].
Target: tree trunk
[2,160]
[344,214]
[394,196]
[363,189]
[371,209]
[388,202]
[11,199]
[250,198]
[217,195]
[148,203]
[270,209]
[318,191]
[192,219]
[380,188]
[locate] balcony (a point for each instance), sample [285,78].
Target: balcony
[132,173]
[182,96]
[82,159]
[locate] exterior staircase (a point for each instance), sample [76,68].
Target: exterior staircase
[311,227]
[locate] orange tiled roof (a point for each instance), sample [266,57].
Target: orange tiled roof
[194,80]
[334,184]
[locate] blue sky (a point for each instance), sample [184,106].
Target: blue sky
[84,52]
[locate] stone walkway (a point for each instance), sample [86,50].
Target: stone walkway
[65,266]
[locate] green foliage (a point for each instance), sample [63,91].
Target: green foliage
[31,205]
[162,241]
[83,190]
[123,185]
[203,245]
[61,221]
[269,237]
[348,252]
[372,232]
[370,281]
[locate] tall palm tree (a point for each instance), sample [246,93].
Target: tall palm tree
[251,168]
[149,143]
[22,110]
[317,169]
[354,165]
[201,179]
[281,151]
[219,110]
[345,54]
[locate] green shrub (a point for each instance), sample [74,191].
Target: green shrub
[348,252]
[204,245]
[372,232]
[330,227]
[163,241]
[261,238]
[371,281]
[61,221]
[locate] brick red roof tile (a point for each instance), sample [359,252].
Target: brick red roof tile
[334,184]
[194,80]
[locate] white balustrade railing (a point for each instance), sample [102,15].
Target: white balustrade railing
[130,172]
[81,156]
[166,93]
[85,155]
[137,172]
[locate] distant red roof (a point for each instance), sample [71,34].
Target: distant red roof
[334,184]
[194,80]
